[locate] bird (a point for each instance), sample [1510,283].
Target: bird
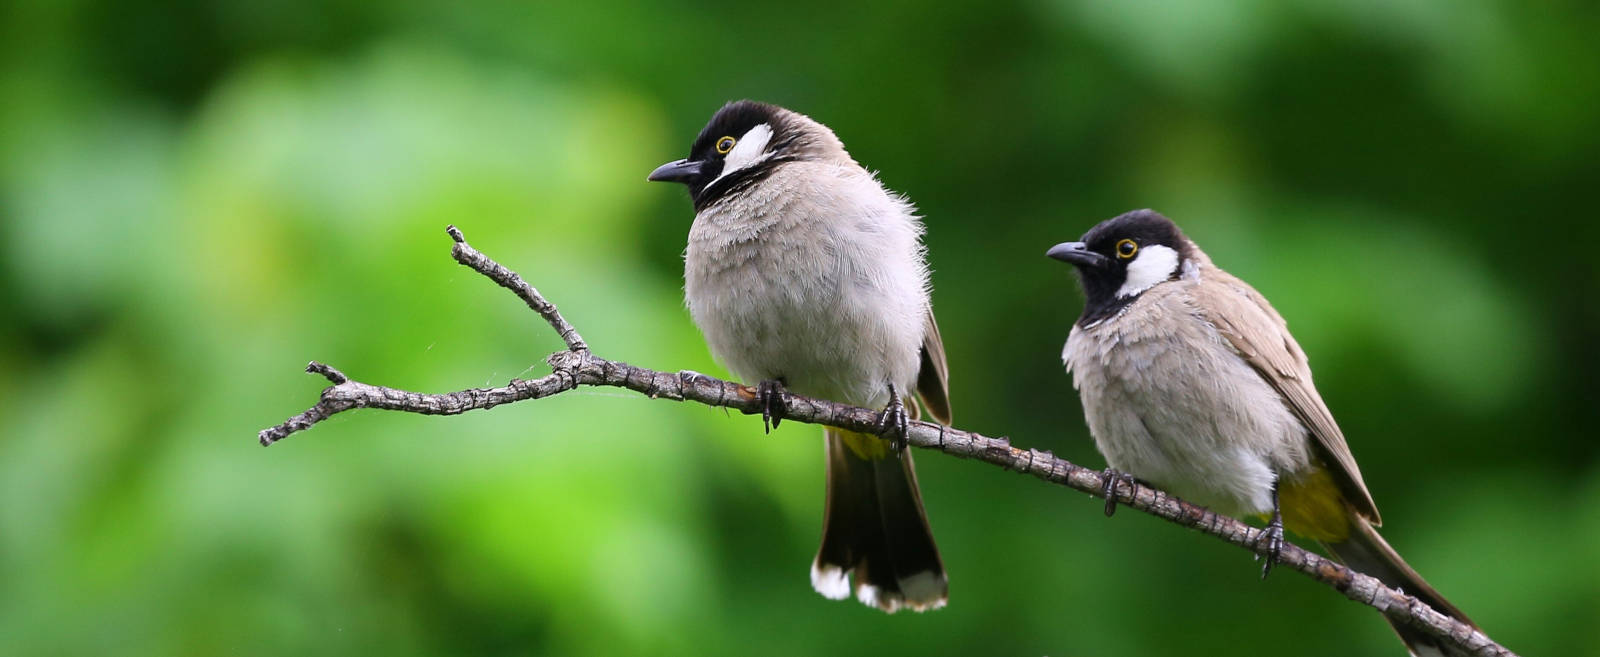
[1190,381]
[805,274]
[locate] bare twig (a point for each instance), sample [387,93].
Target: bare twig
[466,255]
[577,366]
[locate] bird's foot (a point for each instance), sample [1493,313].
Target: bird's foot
[894,423]
[1272,537]
[771,393]
[1108,488]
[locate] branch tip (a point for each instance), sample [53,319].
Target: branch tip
[327,371]
[455,234]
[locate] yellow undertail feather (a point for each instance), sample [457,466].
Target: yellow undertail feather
[865,446]
[1314,507]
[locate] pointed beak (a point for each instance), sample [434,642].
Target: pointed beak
[679,171]
[1078,254]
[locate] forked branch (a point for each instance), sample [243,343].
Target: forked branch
[577,366]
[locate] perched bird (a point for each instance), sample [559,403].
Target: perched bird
[1191,382]
[804,273]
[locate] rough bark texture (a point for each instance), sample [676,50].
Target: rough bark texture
[578,367]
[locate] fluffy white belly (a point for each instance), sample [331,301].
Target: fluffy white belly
[830,301]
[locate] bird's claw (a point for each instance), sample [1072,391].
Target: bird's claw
[1272,535]
[771,393]
[1108,488]
[894,423]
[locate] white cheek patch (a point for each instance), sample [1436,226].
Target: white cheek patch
[752,148]
[1155,263]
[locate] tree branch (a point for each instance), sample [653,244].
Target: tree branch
[577,366]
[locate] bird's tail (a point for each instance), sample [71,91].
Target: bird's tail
[1367,552]
[875,530]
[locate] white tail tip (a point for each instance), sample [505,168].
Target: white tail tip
[830,581]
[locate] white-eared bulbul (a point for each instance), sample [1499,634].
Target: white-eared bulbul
[804,273]
[1191,381]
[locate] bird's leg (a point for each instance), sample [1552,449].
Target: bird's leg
[1272,534]
[772,409]
[894,423]
[1110,477]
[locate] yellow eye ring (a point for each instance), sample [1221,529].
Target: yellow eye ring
[725,144]
[1126,249]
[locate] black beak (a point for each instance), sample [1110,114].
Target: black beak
[680,171]
[1078,254]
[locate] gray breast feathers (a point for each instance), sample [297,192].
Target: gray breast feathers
[815,275]
[1169,400]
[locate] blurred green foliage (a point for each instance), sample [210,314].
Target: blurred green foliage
[198,197]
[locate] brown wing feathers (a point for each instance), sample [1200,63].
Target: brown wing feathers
[1260,335]
[933,380]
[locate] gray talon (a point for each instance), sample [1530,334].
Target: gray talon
[894,423]
[1273,535]
[1110,477]
[772,408]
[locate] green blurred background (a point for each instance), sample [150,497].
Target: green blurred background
[198,197]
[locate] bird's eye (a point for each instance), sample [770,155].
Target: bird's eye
[725,144]
[1126,249]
